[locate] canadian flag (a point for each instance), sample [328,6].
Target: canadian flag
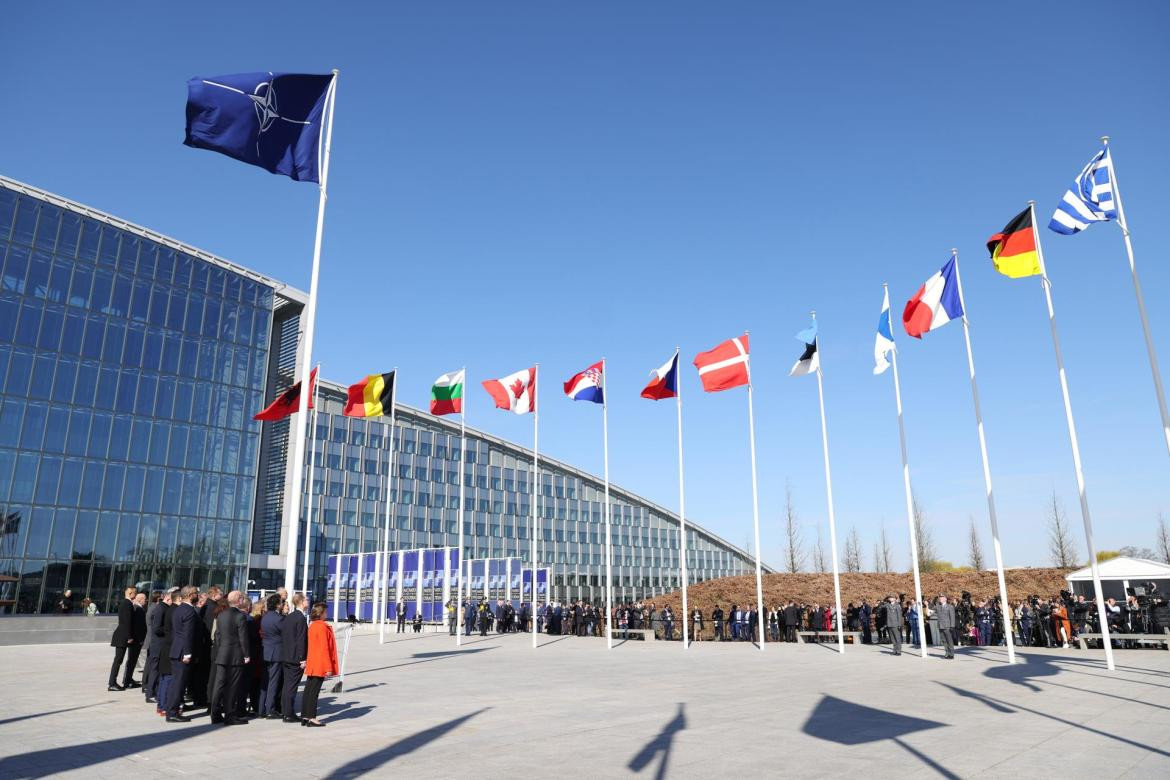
[515,392]
[725,366]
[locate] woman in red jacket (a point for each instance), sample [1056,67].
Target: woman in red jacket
[320,663]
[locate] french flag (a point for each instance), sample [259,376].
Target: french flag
[589,385]
[663,381]
[936,303]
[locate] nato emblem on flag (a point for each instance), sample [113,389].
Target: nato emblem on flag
[271,120]
[589,385]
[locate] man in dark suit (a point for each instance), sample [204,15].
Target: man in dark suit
[273,652]
[231,656]
[294,637]
[154,634]
[123,638]
[892,611]
[791,621]
[184,635]
[203,674]
[137,640]
[401,614]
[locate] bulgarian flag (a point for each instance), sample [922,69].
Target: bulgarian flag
[447,393]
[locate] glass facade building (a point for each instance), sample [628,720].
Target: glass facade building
[130,368]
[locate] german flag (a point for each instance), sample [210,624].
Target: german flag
[1013,250]
[371,397]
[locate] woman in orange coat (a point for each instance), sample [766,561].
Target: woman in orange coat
[320,663]
[1060,624]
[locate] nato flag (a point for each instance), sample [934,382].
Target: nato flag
[272,120]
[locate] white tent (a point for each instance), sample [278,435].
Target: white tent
[1120,573]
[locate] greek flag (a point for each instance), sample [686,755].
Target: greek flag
[1089,200]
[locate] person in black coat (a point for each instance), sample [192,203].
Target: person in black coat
[231,656]
[294,637]
[122,639]
[183,651]
[203,674]
[162,649]
[272,650]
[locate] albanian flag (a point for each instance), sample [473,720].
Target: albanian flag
[288,402]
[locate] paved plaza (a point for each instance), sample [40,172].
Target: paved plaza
[420,707]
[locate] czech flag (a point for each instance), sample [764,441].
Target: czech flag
[725,366]
[663,381]
[936,303]
[589,385]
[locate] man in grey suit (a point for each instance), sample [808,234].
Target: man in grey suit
[894,624]
[946,625]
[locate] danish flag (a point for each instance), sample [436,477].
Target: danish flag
[725,366]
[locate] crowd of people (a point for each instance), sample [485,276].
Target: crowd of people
[1053,622]
[220,653]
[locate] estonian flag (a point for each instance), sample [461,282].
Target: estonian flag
[810,361]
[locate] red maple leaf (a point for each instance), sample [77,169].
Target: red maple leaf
[517,388]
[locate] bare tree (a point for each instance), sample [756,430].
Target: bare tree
[1163,541]
[853,551]
[927,554]
[885,563]
[794,544]
[975,554]
[820,561]
[1060,543]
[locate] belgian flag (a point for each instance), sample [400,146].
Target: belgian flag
[1013,250]
[371,397]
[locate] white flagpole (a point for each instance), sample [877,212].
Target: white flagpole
[755,505]
[829,495]
[293,515]
[682,514]
[1137,289]
[535,488]
[909,497]
[384,584]
[1005,605]
[608,540]
[337,588]
[1076,448]
[462,462]
[309,508]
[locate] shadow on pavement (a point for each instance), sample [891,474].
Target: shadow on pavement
[847,723]
[53,712]
[1008,707]
[660,744]
[42,763]
[423,658]
[379,758]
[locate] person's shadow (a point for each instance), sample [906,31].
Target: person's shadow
[1033,667]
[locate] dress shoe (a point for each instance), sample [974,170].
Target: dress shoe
[132,684]
[290,720]
[151,700]
[313,724]
[178,719]
[115,688]
[235,722]
[215,719]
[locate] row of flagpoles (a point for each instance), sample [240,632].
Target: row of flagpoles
[238,115]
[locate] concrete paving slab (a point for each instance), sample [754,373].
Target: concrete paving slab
[495,707]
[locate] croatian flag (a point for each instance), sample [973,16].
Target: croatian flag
[589,385]
[663,381]
[936,303]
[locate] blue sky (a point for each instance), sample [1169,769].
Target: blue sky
[528,182]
